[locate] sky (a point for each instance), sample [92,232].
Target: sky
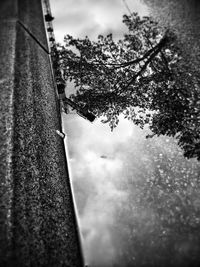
[98,158]
[82,18]
[96,169]
[94,150]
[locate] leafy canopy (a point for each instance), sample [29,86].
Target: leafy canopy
[143,76]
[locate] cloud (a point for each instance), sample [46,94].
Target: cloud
[96,182]
[96,179]
[89,17]
[100,160]
[110,190]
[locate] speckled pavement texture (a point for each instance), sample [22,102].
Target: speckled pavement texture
[37,219]
[182,16]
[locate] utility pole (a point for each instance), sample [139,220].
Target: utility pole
[38,225]
[82,111]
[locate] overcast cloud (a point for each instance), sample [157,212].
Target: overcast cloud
[91,17]
[94,152]
[97,161]
[101,160]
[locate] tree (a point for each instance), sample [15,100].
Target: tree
[143,76]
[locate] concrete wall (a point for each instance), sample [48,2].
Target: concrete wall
[37,220]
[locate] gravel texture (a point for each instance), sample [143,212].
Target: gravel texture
[183,17]
[37,224]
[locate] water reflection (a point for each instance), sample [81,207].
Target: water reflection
[183,16]
[139,204]
[161,222]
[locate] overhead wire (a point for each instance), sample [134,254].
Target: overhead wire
[127,7]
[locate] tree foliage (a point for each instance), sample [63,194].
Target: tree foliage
[143,76]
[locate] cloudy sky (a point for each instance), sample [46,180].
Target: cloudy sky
[98,158]
[91,17]
[94,151]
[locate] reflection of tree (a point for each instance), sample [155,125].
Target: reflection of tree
[160,223]
[142,76]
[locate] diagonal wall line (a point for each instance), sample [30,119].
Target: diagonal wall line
[33,36]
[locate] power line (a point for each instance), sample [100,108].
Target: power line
[127,7]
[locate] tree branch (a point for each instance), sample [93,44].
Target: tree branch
[129,63]
[142,69]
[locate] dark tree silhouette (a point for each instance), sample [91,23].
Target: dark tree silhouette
[144,77]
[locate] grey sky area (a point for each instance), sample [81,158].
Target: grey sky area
[121,180]
[91,17]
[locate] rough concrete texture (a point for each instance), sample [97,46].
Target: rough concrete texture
[7,55]
[183,17]
[30,15]
[37,219]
